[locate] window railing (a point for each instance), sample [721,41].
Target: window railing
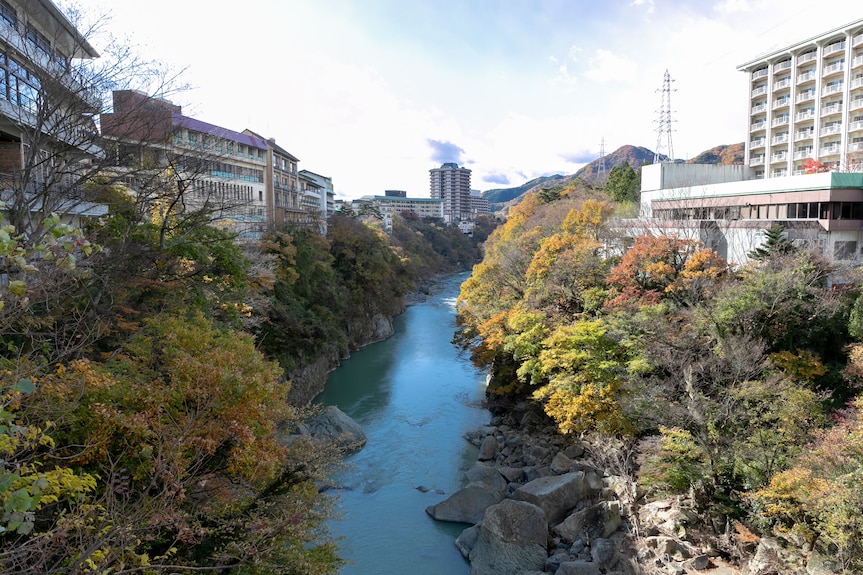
[832,89]
[783,83]
[762,73]
[834,47]
[857,40]
[806,76]
[780,121]
[803,154]
[804,135]
[833,68]
[856,82]
[857,61]
[759,108]
[758,126]
[780,157]
[829,149]
[758,143]
[831,109]
[856,104]
[756,161]
[831,129]
[782,66]
[855,147]
[807,57]
[759,90]
[781,102]
[780,139]
[806,96]
[854,126]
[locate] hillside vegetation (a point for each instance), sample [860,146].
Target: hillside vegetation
[145,424]
[736,390]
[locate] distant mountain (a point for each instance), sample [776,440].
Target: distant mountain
[724,155]
[503,195]
[635,156]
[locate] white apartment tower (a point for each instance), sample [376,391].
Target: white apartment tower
[452,184]
[806,101]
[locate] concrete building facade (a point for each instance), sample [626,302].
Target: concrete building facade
[802,169]
[806,102]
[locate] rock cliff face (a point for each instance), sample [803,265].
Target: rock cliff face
[308,380]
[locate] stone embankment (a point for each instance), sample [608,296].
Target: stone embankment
[539,503]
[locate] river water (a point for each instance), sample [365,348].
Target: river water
[415,395]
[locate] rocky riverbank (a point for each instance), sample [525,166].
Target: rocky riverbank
[538,502]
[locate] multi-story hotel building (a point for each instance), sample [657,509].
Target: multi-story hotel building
[396,202]
[452,184]
[41,145]
[806,102]
[281,178]
[802,167]
[217,168]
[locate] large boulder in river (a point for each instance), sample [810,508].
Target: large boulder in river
[556,494]
[334,425]
[511,541]
[467,505]
[485,487]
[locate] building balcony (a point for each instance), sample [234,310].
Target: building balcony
[806,96]
[779,139]
[834,48]
[807,57]
[830,129]
[756,161]
[804,135]
[783,83]
[855,147]
[833,89]
[857,61]
[804,115]
[762,107]
[780,121]
[857,40]
[835,108]
[759,91]
[803,154]
[856,104]
[829,149]
[780,157]
[856,83]
[833,69]
[758,126]
[757,143]
[782,172]
[781,102]
[855,126]
[806,76]
[758,74]
[786,65]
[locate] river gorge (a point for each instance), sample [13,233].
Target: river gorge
[415,395]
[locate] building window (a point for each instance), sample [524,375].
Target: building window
[846,250]
[7,14]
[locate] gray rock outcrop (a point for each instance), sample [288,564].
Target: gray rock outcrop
[511,541]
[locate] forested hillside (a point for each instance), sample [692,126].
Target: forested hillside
[145,420]
[734,390]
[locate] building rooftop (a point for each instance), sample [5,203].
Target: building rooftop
[206,128]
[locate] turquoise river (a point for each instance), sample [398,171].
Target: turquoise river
[415,395]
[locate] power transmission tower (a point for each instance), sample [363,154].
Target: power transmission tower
[600,169]
[664,121]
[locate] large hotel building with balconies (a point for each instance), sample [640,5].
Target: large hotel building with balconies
[806,102]
[803,167]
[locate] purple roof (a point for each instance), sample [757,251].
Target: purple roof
[199,126]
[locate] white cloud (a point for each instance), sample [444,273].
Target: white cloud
[605,67]
[732,7]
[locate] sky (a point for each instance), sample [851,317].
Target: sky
[374,93]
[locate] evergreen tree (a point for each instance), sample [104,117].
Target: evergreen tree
[775,244]
[624,184]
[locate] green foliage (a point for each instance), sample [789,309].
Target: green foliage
[775,244]
[624,184]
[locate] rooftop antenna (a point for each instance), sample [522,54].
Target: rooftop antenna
[664,121]
[600,169]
